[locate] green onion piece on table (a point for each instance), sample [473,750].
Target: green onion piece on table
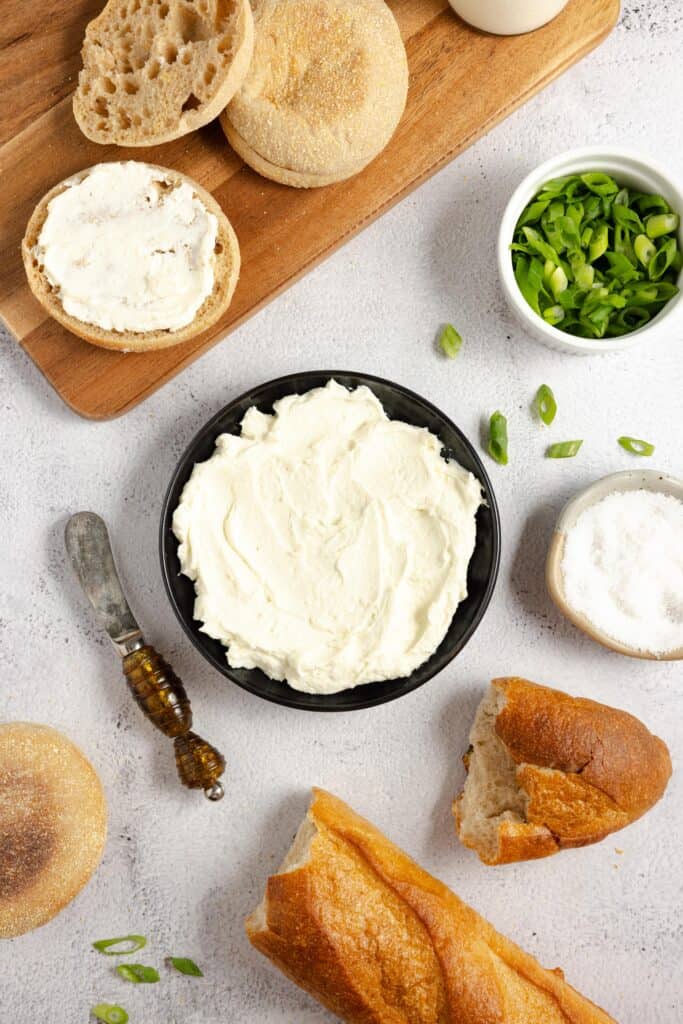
[131,943]
[635,446]
[110,1013]
[450,341]
[498,438]
[137,973]
[185,966]
[563,450]
[546,404]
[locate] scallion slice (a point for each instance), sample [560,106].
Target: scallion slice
[137,973]
[450,341]
[636,446]
[185,966]
[546,404]
[109,1013]
[498,438]
[563,450]
[131,943]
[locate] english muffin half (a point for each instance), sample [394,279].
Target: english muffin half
[131,256]
[154,70]
[53,825]
[324,93]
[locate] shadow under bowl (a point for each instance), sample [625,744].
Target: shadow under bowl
[400,404]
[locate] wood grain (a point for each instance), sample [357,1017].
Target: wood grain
[463,82]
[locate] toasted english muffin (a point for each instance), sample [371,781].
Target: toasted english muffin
[154,70]
[53,825]
[130,237]
[324,93]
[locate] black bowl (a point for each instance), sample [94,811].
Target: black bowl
[399,403]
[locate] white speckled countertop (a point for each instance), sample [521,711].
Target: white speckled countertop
[184,872]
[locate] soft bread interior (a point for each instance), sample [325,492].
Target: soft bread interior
[491,794]
[295,858]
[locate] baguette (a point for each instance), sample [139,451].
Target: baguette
[226,266]
[548,772]
[154,70]
[53,825]
[356,923]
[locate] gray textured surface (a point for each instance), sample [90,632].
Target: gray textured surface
[184,872]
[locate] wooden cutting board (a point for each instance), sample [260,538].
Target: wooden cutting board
[462,83]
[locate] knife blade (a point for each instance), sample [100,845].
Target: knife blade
[89,548]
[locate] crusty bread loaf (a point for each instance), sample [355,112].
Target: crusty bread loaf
[547,771]
[154,70]
[354,921]
[325,91]
[53,825]
[226,273]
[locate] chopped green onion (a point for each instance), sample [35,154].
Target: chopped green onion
[635,446]
[558,281]
[450,341]
[661,224]
[662,260]
[498,438]
[627,218]
[644,249]
[137,973]
[186,966]
[600,183]
[645,203]
[134,943]
[589,255]
[585,276]
[546,404]
[109,1013]
[563,450]
[553,315]
[600,241]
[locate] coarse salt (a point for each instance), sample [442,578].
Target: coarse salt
[623,569]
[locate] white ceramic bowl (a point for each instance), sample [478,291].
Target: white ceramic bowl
[628,169]
[631,480]
[506,18]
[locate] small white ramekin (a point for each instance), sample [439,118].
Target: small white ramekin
[628,169]
[615,483]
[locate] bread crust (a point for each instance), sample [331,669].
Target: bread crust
[587,770]
[325,91]
[53,825]
[227,268]
[377,940]
[155,70]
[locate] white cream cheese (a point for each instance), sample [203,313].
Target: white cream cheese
[328,544]
[128,250]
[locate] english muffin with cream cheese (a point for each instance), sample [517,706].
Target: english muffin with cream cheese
[53,825]
[325,91]
[131,256]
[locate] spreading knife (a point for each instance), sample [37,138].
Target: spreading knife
[157,690]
